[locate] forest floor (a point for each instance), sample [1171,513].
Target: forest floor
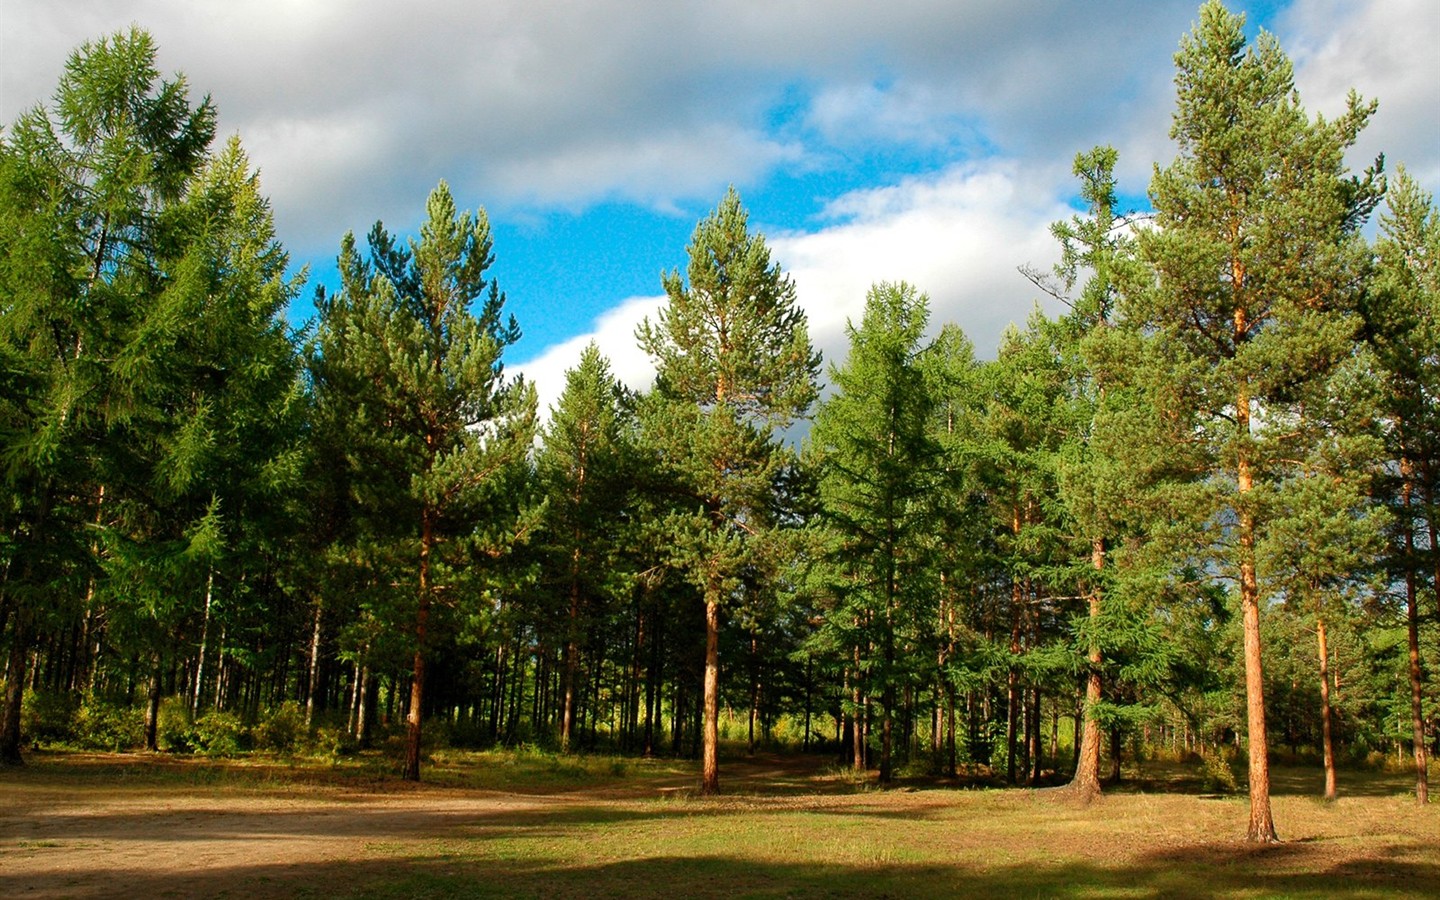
[535,825]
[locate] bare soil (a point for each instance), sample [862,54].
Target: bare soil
[116,825]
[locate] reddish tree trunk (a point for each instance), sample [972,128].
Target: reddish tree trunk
[1086,782]
[710,761]
[14,694]
[422,621]
[1325,733]
[1412,628]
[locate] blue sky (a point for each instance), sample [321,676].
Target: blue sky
[925,140]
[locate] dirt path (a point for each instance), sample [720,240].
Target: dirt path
[130,826]
[152,827]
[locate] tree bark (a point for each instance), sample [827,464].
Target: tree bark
[1085,785]
[312,687]
[417,683]
[14,693]
[710,761]
[1325,733]
[567,720]
[1262,824]
[1412,629]
[204,640]
[857,729]
[152,708]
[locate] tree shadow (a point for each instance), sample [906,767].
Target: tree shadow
[1209,871]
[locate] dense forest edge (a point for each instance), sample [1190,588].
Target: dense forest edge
[1195,518]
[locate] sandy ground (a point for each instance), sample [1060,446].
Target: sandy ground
[142,826]
[117,825]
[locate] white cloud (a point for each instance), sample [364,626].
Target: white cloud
[614,334]
[1385,50]
[958,236]
[653,169]
[353,110]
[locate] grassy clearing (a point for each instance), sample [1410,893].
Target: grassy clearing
[541,825]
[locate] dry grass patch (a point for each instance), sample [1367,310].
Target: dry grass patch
[92,826]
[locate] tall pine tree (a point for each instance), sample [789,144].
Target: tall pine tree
[434,422]
[1247,303]
[735,367]
[878,463]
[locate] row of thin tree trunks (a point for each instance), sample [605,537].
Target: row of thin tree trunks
[524,684]
[68,660]
[634,718]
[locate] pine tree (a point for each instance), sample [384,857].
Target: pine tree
[582,467]
[143,292]
[1087,479]
[1403,328]
[877,463]
[734,367]
[434,423]
[1252,259]
[962,548]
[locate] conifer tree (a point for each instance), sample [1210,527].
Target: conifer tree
[734,366]
[962,547]
[877,464]
[434,422]
[142,292]
[1402,316]
[582,462]
[1094,243]
[1248,302]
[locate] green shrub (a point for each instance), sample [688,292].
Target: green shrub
[336,741]
[220,734]
[109,726]
[1218,773]
[173,730]
[281,729]
[48,717]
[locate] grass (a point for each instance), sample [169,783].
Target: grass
[536,824]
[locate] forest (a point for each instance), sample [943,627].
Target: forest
[1196,516]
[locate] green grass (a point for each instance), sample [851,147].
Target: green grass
[535,824]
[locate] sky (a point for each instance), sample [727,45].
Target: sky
[923,140]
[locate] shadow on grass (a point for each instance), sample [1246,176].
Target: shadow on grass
[1207,871]
[1285,781]
[400,840]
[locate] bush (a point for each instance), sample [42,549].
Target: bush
[281,729]
[48,717]
[335,741]
[173,731]
[220,734]
[109,726]
[1218,773]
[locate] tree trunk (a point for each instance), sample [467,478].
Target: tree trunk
[710,764]
[857,730]
[204,638]
[1117,748]
[14,693]
[805,745]
[1262,823]
[1325,735]
[362,697]
[652,684]
[754,688]
[1412,629]
[312,688]
[417,684]
[567,721]
[152,709]
[1086,782]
